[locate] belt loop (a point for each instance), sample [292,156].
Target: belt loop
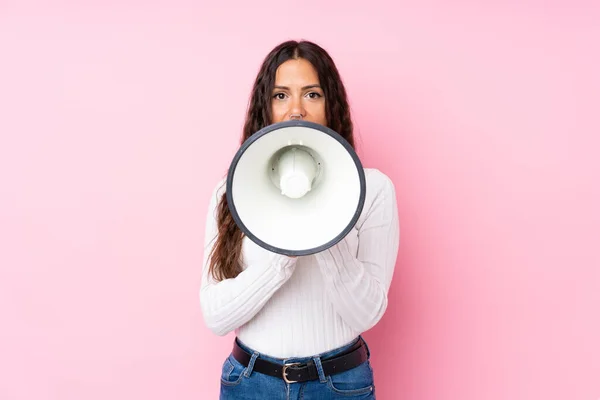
[319,366]
[250,366]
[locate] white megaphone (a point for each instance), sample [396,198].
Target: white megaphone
[296,188]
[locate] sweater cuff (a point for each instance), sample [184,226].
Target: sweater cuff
[283,263]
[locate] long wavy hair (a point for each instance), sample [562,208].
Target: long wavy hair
[225,257]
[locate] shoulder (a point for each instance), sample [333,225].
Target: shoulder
[380,192]
[378,182]
[220,186]
[380,196]
[217,192]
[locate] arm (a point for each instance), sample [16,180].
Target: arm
[358,285]
[228,304]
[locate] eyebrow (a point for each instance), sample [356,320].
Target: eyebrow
[304,88]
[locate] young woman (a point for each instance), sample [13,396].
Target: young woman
[298,320]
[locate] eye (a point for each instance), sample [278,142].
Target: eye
[314,95]
[279,96]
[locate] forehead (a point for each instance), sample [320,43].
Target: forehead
[296,72]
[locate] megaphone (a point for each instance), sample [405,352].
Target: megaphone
[296,188]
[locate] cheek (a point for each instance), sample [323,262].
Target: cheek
[317,111]
[277,112]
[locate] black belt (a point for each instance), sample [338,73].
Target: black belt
[302,372]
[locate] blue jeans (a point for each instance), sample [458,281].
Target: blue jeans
[239,382]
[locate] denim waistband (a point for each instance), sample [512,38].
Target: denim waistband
[282,361]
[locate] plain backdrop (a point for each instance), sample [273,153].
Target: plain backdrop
[118,118]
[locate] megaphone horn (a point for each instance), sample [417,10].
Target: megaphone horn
[296,188]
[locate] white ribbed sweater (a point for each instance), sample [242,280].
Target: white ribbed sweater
[294,307]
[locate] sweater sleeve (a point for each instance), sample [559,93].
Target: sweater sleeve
[358,285]
[230,303]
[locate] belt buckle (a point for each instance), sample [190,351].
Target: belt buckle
[284,372]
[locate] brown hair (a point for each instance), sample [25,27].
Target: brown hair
[226,254]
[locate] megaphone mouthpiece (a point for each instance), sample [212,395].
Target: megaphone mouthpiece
[297,171]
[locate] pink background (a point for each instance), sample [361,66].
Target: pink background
[117,119]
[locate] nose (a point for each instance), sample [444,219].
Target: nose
[297,109]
